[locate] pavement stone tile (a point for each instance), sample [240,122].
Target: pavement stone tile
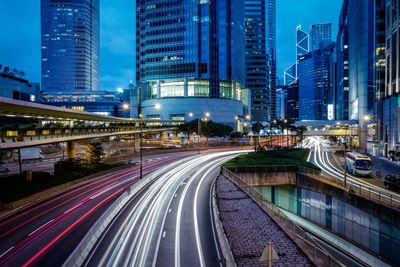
[249,229]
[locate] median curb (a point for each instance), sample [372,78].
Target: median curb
[223,240]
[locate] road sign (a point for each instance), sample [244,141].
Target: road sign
[269,255]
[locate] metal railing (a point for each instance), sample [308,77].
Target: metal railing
[274,169]
[317,253]
[366,191]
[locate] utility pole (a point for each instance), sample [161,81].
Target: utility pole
[141,147]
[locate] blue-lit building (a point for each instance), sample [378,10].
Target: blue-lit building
[320,35]
[342,64]
[292,106]
[70,45]
[291,74]
[315,71]
[106,103]
[362,59]
[391,98]
[281,101]
[14,86]
[271,52]
[190,59]
[257,60]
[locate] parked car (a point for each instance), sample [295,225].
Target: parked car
[394,155]
[392,182]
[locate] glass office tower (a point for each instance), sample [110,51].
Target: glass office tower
[342,64]
[70,45]
[257,67]
[316,83]
[271,52]
[391,98]
[362,64]
[320,34]
[190,58]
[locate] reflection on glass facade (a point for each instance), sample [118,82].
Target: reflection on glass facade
[189,48]
[340,217]
[70,45]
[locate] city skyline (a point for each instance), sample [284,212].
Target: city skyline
[117,36]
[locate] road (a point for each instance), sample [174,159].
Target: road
[321,155]
[169,223]
[46,233]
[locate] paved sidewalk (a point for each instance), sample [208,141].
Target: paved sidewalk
[249,229]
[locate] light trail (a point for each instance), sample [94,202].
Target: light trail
[137,243]
[321,159]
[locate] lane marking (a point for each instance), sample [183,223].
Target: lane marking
[74,207]
[40,227]
[8,250]
[164,233]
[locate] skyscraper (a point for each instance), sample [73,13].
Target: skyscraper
[302,42]
[342,64]
[316,83]
[190,59]
[320,33]
[70,45]
[391,98]
[362,37]
[271,51]
[257,60]
[281,100]
[302,48]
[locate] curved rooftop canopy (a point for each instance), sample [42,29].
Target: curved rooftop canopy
[17,108]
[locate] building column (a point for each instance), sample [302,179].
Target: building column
[185,87]
[71,154]
[158,89]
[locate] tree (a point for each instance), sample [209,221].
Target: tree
[256,128]
[207,128]
[93,154]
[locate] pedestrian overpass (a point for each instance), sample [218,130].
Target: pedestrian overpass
[27,124]
[329,128]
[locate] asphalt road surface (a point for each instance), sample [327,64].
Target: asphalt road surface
[169,222]
[46,233]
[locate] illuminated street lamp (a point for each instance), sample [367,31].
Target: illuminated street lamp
[367,117]
[199,129]
[125,106]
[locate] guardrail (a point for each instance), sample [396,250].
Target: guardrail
[275,168]
[317,253]
[365,191]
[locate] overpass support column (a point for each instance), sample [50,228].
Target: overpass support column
[71,150]
[137,143]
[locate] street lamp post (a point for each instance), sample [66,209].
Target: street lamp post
[141,145]
[198,135]
[156,106]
